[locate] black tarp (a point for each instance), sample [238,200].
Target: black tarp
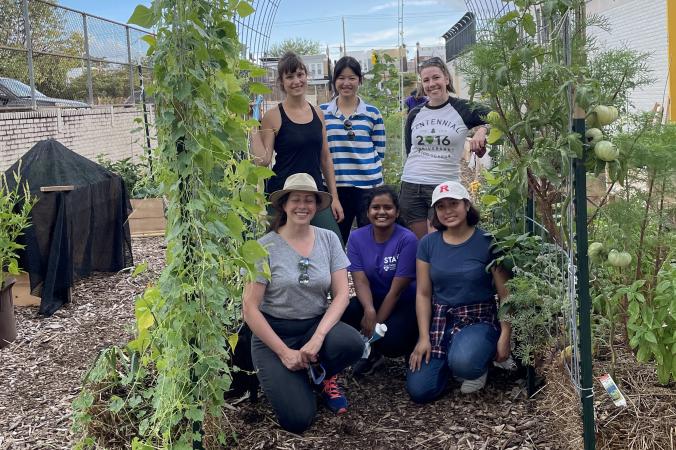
[75,233]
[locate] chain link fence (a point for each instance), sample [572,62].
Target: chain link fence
[51,55]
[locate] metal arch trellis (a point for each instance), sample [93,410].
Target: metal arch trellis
[573,273]
[254,30]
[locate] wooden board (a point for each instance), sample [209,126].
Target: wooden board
[147,219]
[21,291]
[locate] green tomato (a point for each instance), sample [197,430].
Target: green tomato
[619,259]
[605,115]
[593,135]
[594,250]
[606,151]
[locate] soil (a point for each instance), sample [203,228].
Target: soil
[41,373]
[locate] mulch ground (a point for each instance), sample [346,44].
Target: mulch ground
[41,373]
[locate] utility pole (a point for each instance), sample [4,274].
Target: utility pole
[344,46]
[402,55]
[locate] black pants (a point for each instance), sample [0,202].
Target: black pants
[402,327]
[351,199]
[290,392]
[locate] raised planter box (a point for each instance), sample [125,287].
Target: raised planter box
[147,219]
[21,292]
[7,319]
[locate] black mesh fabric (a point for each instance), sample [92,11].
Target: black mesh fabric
[72,234]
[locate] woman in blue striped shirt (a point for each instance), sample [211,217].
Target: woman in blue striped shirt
[356,135]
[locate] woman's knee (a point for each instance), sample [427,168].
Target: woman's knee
[297,420]
[420,390]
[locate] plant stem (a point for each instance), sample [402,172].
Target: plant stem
[644,225]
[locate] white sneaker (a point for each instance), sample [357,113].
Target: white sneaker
[469,386]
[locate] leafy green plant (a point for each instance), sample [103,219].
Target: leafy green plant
[393,165]
[15,207]
[652,323]
[216,207]
[536,292]
[136,176]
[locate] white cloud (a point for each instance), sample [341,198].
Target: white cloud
[374,36]
[407,4]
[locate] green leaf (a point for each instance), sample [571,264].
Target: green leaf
[259,88]
[149,39]
[507,17]
[116,404]
[253,251]
[244,9]
[139,269]
[13,267]
[489,200]
[232,340]
[143,17]
[238,104]
[650,337]
[528,24]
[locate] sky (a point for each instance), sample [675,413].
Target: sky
[368,23]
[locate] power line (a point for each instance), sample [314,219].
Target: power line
[315,20]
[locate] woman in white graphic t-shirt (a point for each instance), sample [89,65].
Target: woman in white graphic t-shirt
[435,141]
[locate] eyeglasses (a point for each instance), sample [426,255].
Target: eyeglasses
[303,265]
[317,373]
[347,125]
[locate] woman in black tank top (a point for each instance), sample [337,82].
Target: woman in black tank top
[296,133]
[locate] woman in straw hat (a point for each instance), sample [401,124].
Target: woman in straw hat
[459,334]
[298,337]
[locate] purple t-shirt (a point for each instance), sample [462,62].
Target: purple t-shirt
[382,262]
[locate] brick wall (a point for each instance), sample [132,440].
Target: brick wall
[640,25]
[89,132]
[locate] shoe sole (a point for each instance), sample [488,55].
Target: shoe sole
[378,363]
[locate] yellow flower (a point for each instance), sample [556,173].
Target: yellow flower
[474,186]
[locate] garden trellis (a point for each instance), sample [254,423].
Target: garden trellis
[573,274]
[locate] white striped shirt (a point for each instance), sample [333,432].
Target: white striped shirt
[356,162]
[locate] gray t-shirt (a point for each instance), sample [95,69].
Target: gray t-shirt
[285,297]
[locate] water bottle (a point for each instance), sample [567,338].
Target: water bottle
[378,332]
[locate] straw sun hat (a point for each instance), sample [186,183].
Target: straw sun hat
[301,182]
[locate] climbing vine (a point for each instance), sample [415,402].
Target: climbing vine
[174,374]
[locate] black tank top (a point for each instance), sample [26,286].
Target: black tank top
[298,149]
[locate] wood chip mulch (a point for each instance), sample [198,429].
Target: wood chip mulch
[41,373]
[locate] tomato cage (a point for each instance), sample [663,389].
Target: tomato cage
[552,233]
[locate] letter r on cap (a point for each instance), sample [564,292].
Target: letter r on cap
[443,188]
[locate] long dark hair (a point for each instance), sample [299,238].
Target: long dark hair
[375,192]
[288,63]
[346,62]
[473,216]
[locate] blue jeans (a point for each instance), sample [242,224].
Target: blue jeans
[468,354]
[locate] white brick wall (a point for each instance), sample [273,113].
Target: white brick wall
[89,132]
[640,25]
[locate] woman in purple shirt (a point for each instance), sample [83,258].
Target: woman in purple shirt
[382,263]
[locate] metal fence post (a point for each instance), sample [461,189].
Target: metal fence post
[131,68]
[29,49]
[90,87]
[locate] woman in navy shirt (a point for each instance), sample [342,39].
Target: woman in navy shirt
[459,333]
[382,263]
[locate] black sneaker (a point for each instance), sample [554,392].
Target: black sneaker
[366,366]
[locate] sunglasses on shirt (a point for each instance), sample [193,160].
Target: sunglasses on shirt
[347,125]
[303,265]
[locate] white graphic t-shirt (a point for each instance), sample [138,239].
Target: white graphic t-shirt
[435,140]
